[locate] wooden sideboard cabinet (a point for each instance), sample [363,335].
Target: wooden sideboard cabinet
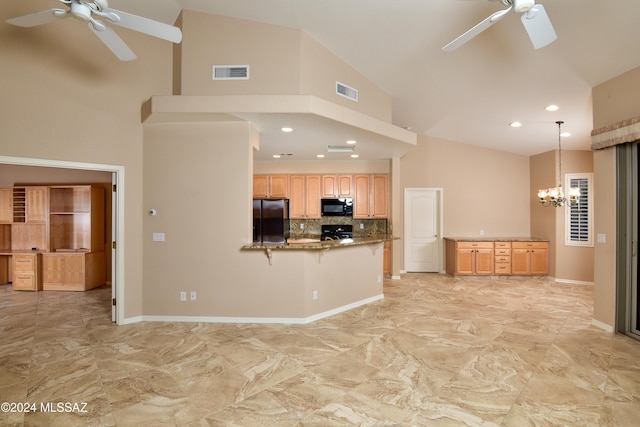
[73,271]
[499,257]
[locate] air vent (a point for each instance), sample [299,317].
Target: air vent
[346,91]
[340,148]
[230,72]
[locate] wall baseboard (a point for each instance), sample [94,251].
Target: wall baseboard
[282,320]
[573,282]
[602,325]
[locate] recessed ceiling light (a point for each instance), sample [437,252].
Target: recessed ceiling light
[320,156]
[552,107]
[286,129]
[276,156]
[515,124]
[351,141]
[565,134]
[355,156]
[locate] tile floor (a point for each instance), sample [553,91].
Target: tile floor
[437,351]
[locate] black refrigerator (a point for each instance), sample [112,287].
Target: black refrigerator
[270,220]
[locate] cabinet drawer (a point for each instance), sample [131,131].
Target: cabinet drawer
[530,245]
[503,258]
[502,268]
[502,245]
[24,263]
[503,251]
[474,245]
[24,282]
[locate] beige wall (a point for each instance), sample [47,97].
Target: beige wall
[482,188]
[282,61]
[65,97]
[613,101]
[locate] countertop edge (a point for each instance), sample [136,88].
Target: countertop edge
[327,244]
[496,239]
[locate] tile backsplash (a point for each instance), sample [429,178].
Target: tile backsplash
[361,227]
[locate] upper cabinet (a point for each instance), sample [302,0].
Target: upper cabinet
[337,186]
[270,186]
[30,205]
[304,201]
[370,196]
[6,205]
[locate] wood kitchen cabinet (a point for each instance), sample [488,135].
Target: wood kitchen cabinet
[27,272]
[304,197]
[270,186]
[370,196]
[530,258]
[30,205]
[386,269]
[471,258]
[337,186]
[6,205]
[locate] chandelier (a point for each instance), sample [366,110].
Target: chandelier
[555,196]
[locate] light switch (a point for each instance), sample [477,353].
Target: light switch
[602,238]
[158,237]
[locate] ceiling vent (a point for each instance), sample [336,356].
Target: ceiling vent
[340,148]
[346,91]
[230,72]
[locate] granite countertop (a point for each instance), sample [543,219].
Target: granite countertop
[496,239]
[313,243]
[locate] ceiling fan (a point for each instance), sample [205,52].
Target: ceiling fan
[534,18]
[86,11]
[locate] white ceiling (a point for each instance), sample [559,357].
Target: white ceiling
[471,94]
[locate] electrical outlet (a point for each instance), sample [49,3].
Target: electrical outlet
[301,226]
[315,294]
[193,295]
[183,296]
[361,226]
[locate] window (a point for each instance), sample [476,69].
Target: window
[579,218]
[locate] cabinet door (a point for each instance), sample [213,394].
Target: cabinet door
[539,261]
[6,205]
[379,196]
[465,261]
[386,265]
[278,186]
[296,196]
[73,269]
[361,195]
[345,184]
[37,205]
[52,269]
[329,186]
[260,186]
[520,261]
[484,261]
[312,196]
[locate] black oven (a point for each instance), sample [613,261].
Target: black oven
[337,207]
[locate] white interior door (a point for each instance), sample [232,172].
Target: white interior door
[423,230]
[114,230]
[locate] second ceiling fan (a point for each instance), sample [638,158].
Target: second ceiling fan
[534,18]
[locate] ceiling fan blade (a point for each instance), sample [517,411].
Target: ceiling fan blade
[39,18]
[114,43]
[538,26]
[147,26]
[489,21]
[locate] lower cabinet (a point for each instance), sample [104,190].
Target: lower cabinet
[27,272]
[526,258]
[73,271]
[530,258]
[387,258]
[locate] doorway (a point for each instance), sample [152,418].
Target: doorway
[423,230]
[117,218]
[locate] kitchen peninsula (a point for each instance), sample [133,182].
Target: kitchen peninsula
[329,276]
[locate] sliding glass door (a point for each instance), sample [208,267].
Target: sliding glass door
[628,294]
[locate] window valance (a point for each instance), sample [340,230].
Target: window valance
[617,133]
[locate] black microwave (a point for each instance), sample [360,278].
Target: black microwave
[337,207]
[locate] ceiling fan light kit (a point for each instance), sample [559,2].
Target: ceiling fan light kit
[533,16]
[85,11]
